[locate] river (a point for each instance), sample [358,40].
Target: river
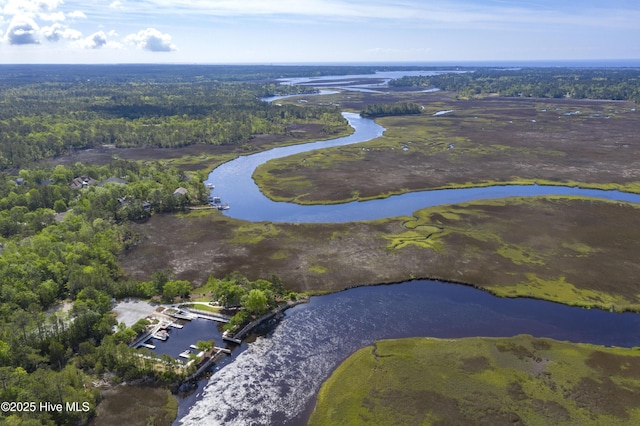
[274,380]
[235,187]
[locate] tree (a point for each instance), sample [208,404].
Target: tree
[204,345]
[59,206]
[256,301]
[228,293]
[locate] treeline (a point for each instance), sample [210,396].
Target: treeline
[47,119]
[154,73]
[253,297]
[577,83]
[381,110]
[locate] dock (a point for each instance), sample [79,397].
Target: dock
[223,350]
[204,367]
[157,329]
[146,345]
[231,339]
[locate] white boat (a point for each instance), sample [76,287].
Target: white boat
[161,335]
[211,186]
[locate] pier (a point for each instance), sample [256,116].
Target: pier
[140,341]
[204,367]
[231,339]
[224,350]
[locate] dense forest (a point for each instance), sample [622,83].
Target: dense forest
[382,110]
[48,119]
[60,244]
[578,83]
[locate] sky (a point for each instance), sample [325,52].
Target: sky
[316,31]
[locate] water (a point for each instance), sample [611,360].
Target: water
[275,379]
[180,339]
[237,188]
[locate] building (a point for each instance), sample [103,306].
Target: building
[82,182]
[180,191]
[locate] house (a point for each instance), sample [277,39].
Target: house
[82,182]
[180,191]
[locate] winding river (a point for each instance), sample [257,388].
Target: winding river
[235,186]
[274,380]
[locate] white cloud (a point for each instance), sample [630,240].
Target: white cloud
[58,32]
[22,30]
[152,40]
[76,14]
[115,5]
[52,17]
[30,7]
[97,40]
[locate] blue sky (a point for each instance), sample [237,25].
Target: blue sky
[304,31]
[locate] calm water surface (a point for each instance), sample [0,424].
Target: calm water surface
[235,186]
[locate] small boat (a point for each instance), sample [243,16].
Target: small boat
[211,186]
[217,200]
[161,335]
[185,354]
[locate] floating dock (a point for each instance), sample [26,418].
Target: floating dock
[147,345]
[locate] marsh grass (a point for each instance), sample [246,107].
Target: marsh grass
[492,141]
[571,250]
[482,381]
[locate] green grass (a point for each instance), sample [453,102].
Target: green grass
[482,381]
[202,307]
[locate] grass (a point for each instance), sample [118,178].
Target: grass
[137,405]
[203,307]
[482,381]
[483,142]
[572,250]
